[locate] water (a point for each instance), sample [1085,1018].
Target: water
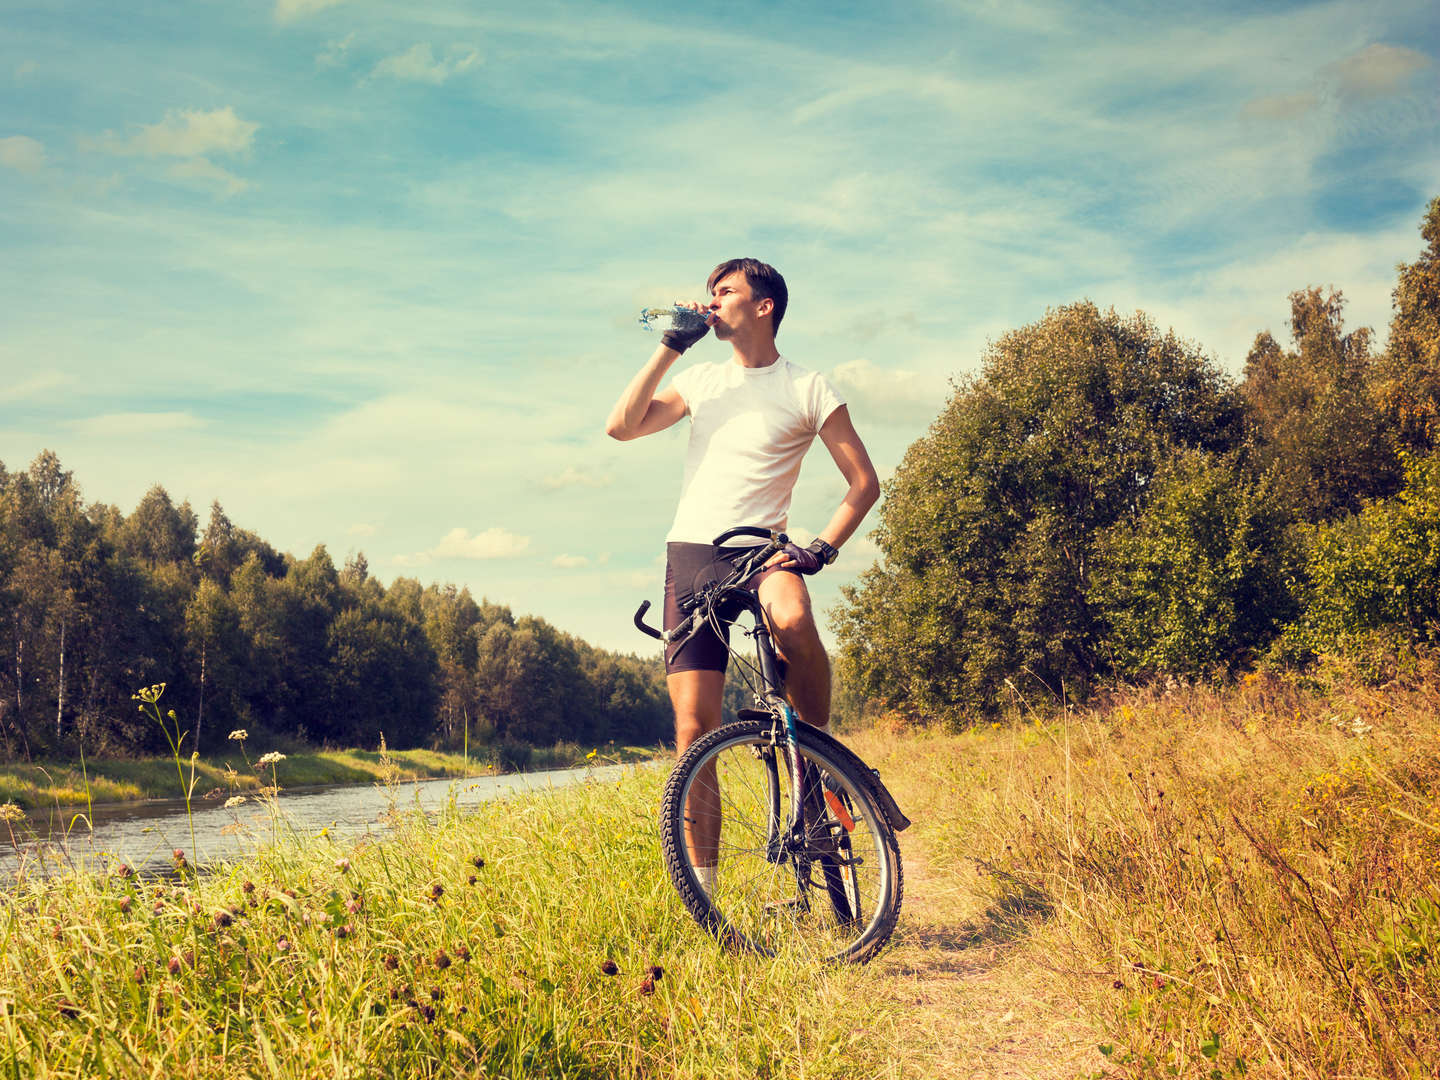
[674,317]
[145,835]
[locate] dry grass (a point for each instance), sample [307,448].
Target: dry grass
[1221,883]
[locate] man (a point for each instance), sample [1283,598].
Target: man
[753,416]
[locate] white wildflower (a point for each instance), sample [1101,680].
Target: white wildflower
[274,757]
[10,812]
[234,801]
[240,735]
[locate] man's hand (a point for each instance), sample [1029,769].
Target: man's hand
[806,560]
[680,340]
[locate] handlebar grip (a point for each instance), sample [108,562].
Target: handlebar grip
[640,623]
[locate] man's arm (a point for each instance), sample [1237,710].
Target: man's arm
[840,438]
[838,435]
[642,411]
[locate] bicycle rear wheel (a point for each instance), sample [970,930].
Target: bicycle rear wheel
[831,894]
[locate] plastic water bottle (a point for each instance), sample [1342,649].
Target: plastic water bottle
[674,317]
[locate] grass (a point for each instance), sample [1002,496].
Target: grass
[476,944]
[34,787]
[1179,881]
[1224,883]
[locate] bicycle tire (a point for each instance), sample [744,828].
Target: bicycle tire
[815,900]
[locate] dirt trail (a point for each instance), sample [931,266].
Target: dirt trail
[970,999]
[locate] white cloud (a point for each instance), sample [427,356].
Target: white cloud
[184,133]
[209,175]
[419,64]
[570,562]
[290,10]
[891,393]
[573,477]
[361,528]
[335,52]
[1282,106]
[33,387]
[493,543]
[1378,69]
[134,424]
[22,153]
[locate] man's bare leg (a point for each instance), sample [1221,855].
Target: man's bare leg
[807,683]
[696,697]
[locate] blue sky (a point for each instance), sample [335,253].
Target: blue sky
[368,272]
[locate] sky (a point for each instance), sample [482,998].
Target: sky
[367,273]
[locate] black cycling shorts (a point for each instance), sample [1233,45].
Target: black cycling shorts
[688,569]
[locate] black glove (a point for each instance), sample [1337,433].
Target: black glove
[686,332]
[812,559]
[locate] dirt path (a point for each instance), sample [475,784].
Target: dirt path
[971,999]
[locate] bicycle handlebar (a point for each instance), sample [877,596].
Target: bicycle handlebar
[742,572]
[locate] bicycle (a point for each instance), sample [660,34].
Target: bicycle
[819,873]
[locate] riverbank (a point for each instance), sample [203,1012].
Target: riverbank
[103,782]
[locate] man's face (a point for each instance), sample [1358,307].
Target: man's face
[734,306]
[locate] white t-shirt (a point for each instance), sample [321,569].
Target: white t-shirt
[749,431]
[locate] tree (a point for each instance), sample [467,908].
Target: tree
[989,531]
[1317,421]
[1199,580]
[1410,382]
[382,679]
[160,532]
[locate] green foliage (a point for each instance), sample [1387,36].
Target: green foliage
[1198,580]
[1317,423]
[1373,579]
[991,529]
[94,602]
[1410,387]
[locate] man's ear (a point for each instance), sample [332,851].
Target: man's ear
[764,306]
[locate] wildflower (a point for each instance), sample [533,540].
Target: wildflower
[124,871]
[10,812]
[442,960]
[125,903]
[274,757]
[248,887]
[464,953]
[223,919]
[472,879]
[647,987]
[283,945]
[428,1011]
[139,974]
[344,931]
[609,967]
[656,972]
[391,962]
[478,862]
[68,1007]
[436,994]
[239,735]
[234,801]
[343,865]
[178,856]
[354,907]
[436,891]
[174,966]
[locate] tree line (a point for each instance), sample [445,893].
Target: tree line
[1103,502]
[96,604]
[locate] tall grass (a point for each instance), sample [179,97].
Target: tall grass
[536,937]
[1238,883]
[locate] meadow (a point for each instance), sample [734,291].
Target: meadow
[1205,883]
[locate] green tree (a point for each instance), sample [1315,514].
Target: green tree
[1199,580]
[1410,383]
[1318,425]
[382,680]
[989,530]
[1373,579]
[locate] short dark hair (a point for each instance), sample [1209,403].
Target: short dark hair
[764,280]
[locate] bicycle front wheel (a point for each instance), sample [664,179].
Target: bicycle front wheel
[831,891]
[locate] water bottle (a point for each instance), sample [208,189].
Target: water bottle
[674,317]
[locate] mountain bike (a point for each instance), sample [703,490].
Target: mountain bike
[806,858]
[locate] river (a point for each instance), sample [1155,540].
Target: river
[145,835]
